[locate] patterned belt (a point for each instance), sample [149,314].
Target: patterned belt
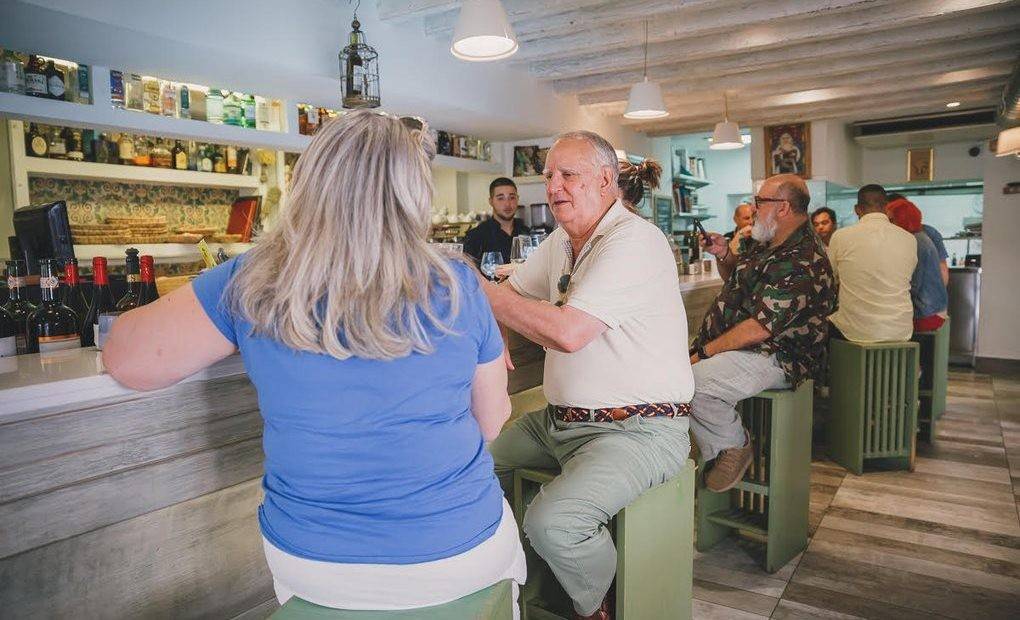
[612,414]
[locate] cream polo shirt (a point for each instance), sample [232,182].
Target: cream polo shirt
[626,277]
[874,261]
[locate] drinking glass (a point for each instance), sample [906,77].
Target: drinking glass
[491,260]
[520,247]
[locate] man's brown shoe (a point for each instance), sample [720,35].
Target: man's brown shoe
[729,468]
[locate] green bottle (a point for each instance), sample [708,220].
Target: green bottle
[249,111]
[233,110]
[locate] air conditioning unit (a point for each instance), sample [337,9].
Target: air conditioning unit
[954,126]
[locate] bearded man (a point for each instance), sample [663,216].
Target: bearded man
[767,328]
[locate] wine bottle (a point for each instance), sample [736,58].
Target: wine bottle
[72,295]
[131,298]
[148,292]
[102,301]
[18,306]
[53,326]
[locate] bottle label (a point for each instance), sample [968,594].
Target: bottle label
[133,277]
[21,340]
[56,86]
[48,344]
[39,146]
[181,162]
[13,282]
[50,282]
[35,83]
[9,346]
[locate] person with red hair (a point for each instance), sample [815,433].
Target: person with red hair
[927,292]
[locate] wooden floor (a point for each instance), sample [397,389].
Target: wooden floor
[941,541]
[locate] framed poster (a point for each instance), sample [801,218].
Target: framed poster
[920,164]
[788,149]
[524,161]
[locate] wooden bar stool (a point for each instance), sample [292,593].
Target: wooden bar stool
[654,562]
[772,500]
[934,360]
[873,404]
[492,603]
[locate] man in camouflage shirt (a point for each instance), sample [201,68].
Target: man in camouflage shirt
[767,328]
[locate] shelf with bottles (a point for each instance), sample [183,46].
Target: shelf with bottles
[458,146]
[168,253]
[44,77]
[310,117]
[73,153]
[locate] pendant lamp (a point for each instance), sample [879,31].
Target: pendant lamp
[483,32]
[645,99]
[727,134]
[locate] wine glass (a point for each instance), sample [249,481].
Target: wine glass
[491,260]
[520,248]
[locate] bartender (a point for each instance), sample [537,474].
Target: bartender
[496,233]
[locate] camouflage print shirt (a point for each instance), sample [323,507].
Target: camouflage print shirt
[791,291]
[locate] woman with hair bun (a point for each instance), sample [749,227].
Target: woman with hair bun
[633,178]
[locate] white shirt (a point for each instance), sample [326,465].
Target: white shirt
[626,277]
[874,260]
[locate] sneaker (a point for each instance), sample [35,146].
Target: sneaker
[729,467]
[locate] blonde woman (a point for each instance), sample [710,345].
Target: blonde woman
[379,371]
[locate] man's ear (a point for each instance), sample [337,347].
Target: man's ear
[607,180]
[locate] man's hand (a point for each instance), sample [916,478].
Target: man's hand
[743,233]
[695,359]
[715,244]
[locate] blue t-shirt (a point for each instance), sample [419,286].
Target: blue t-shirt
[370,461]
[926,288]
[936,238]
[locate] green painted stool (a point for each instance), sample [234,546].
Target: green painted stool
[934,357]
[493,603]
[772,500]
[654,562]
[873,404]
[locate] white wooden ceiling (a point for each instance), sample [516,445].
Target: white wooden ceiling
[777,60]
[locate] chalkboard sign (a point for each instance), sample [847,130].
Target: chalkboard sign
[664,214]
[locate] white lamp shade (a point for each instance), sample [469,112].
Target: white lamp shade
[483,32]
[1008,143]
[726,136]
[645,101]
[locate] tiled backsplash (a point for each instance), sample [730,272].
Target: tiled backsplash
[91,201]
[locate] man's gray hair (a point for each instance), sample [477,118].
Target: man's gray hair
[605,154]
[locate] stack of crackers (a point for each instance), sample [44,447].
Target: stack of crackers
[121,230]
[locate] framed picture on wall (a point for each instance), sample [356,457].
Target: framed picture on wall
[788,149]
[920,164]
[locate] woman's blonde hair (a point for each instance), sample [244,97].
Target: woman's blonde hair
[347,271]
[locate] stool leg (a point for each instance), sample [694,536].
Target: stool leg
[706,503]
[789,476]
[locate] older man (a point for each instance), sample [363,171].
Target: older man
[766,329]
[743,220]
[602,295]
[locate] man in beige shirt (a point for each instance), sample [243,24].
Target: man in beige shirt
[873,261]
[602,295]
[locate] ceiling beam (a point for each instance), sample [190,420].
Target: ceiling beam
[705,20]
[771,85]
[972,95]
[823,72]
[409,10]
[757,38]
[971,27]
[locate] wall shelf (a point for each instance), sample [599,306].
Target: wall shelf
[160,252]
[691,181]
[90,171]
[462,164]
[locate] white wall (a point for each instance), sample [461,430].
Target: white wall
[289,49]
[729,172]
[998,330]
[889,166]
[835,157]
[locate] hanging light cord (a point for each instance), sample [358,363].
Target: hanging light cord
[726,107]
[646,50]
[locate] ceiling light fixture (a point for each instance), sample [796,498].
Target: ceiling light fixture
[727,134]
[483,32]
[953,104]
[645,101]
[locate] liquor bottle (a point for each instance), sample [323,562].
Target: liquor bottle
[232,159]
[37,144]
[302,120]
[219,159]
[135,92]
[233,110]
[150,95]
[117,89]
[126,149]
[214,106]
[313,119]
[161,156]
[17,305]
[147,271]
[75,145]
[143,152]
[12,74]
[72,295]
[179,156]
[275,115]
[207,154]
[57,146]
[134,281]
[168,99]
[102,301]
[193,155]
[262,114]
[84,94]
[8,334]
[53,326]
[184,97]
[35,78]
[101,147]
[55,81]
[249,111]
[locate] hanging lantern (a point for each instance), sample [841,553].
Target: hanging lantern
[359,71]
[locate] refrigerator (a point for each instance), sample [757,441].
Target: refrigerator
[964,300]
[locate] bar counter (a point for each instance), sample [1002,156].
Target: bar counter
[115,503]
